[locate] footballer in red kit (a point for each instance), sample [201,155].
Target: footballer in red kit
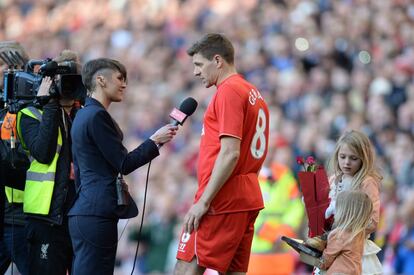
[218,229]
[236,110]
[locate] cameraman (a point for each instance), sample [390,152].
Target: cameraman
[13,243]
[50,190]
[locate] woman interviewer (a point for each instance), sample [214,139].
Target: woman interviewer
[99,157]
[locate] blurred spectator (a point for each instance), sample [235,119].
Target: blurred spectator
[404,260]
[323,67]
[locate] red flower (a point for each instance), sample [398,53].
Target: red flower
[309,165]
[300,160]
[310,160]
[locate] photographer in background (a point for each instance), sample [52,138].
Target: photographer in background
[13,244]
[49,190]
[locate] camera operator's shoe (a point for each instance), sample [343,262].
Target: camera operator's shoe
[317,242]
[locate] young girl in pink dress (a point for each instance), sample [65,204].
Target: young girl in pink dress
[345,245]
[353,168]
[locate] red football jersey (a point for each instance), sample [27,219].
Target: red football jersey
[237,110]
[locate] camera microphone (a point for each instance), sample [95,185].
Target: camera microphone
[50,66]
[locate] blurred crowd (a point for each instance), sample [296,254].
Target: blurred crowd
[323,67]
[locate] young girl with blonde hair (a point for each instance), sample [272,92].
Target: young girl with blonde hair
[353,168]
[345,245]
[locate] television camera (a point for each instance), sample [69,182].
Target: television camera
[21,81]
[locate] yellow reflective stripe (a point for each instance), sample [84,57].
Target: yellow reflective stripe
[40,180]
[37,114]
[39,176]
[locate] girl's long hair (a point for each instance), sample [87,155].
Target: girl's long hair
[361,145]
[353,213]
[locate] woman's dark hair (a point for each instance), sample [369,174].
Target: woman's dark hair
[99,65]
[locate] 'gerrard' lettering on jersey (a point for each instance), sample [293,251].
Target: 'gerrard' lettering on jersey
[253,96]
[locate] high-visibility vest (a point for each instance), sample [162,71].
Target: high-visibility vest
[40,178]
[8,128]
[14,195]
[283,212]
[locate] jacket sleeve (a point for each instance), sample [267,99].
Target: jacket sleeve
[109,141]
[334,247]
[371,187]
[40,137]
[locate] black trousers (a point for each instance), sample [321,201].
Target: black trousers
[50,248]
[94,241]
[13,248]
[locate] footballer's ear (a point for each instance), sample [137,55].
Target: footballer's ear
[218,60]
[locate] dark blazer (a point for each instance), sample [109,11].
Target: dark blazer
[99,156]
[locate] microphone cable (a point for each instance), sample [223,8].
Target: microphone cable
[12,205]
[12,232]
[142,218]
[140,226]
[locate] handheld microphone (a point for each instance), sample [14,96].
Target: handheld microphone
[186,109]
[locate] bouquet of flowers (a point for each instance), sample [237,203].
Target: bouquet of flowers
[309,164]
[314,185]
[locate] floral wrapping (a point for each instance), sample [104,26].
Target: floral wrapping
[315,190]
